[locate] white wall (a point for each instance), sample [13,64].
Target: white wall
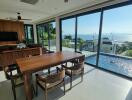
[57,34]
[35,33]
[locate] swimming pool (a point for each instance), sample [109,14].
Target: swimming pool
[121,65]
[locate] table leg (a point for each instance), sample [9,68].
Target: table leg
[27,86]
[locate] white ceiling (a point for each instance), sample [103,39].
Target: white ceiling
[43,9]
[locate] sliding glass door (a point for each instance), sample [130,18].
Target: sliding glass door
[29,37]
[46,33]
[42,33]
[103,35]
[52,36]
[116,41]
[68,34]
[87,36]
[81,34]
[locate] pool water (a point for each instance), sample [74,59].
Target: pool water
[117,64]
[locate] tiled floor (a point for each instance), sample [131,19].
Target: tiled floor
[97,85]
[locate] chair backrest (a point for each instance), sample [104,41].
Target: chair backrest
[9,70]
[81,59]
[56,77]
[80,63]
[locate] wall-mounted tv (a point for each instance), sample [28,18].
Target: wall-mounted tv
[8,36]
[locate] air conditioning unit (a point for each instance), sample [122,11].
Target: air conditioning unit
[30,1]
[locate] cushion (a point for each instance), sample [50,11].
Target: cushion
[49,85]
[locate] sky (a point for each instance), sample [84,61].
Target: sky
[117,20]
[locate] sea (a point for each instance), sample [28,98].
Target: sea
[113,37]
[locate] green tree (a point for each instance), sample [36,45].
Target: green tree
[68,37]
[51,30]
[81,43]
[129,45]
[128,53]
[121,48]
[66,43]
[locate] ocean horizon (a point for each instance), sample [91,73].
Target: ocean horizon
[113,37]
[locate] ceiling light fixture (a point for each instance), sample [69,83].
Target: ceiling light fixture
[66,1]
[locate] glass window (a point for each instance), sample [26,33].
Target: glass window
[52,36]
[29,33]
[115,52]
[42,35]
[87,36]
[47,35]
[68,34]
[116,41]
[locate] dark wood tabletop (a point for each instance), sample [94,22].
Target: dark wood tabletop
[34,63]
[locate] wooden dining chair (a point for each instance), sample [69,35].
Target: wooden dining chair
[76,69]
[74,61]
[50,81]
[16,79]
[45,51]
[13,73]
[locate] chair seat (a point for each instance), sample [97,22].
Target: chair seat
[18,81]
[50,85]
[51,81]
[75,70]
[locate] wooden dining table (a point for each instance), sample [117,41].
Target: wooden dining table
[33,64]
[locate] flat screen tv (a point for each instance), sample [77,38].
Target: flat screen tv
[8,36]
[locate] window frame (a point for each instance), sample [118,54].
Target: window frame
[32,34]
[100,32]
[44,23]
